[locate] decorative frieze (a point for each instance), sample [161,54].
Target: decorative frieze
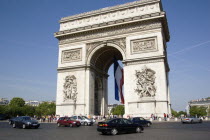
[145,84]
[70,88]
[71,55]
[111,31]
[143,45]
[109,14]
[91,46]
[121,42]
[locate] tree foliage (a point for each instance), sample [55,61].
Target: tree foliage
[45,109]
[118,110]
[208,111]
[198,111]
[4,109]
[17,107]
[178,114]
[174,113]
[18,102]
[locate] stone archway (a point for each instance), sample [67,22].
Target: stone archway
[136,33]
[100,59]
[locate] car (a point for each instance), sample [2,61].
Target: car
[191,119]
[141,121]
[25,122]
[93,120]
[68,121]
[118,125]
[11,121]
[83,120]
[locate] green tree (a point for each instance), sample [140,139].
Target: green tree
[16,111]
[45,109]
[208,114]
[16,107]
[118,110]
[182,113]
[174,113]
[4,109]
[29,110]
[198,111]
[19,102]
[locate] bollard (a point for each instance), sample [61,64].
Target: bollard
[151,119]
[206,119]
[159,119]
[175,119]
[168,119]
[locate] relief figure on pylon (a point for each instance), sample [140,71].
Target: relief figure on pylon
[70,88]
[145,82]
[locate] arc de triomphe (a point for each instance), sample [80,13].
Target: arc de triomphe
[135,33]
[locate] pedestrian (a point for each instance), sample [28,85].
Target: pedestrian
[164,116]
[152,116]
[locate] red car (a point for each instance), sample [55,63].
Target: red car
[68,121]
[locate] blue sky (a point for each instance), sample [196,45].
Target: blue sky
[29,51]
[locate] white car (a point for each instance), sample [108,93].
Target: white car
[83,120]
[191,120]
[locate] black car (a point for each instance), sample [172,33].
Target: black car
[11,121]
[118,125]
[25,122]
[141,121]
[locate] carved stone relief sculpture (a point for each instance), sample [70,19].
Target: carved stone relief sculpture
[71,55]
[70,88]
[145,45]
[145,82]
[121,42]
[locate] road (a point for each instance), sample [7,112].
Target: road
[158,131]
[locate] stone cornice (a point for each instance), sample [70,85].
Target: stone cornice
[108,9]
[144,60]
[67,104]
[156,15]
[147,101]
[81,67]
[121,12]
[69,68]
[112,31]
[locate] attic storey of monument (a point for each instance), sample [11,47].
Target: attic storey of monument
[135,33]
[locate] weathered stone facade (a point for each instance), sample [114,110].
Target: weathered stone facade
[135,33]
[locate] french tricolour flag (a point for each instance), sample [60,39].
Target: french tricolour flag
[119,81]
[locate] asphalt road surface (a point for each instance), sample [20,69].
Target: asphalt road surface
[158,131]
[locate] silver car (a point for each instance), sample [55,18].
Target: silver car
[83,120]
[191,120]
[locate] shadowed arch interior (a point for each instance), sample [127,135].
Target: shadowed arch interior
[103,58]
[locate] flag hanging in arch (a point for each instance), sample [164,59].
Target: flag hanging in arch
[119,81]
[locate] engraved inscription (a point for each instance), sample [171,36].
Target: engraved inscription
[71,55]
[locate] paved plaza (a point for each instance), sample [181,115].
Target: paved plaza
[158,131]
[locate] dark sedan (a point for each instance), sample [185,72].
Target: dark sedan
[25,122]
[118,125]
[141,121]
[11,121]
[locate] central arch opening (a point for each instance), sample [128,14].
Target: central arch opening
[102,61]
